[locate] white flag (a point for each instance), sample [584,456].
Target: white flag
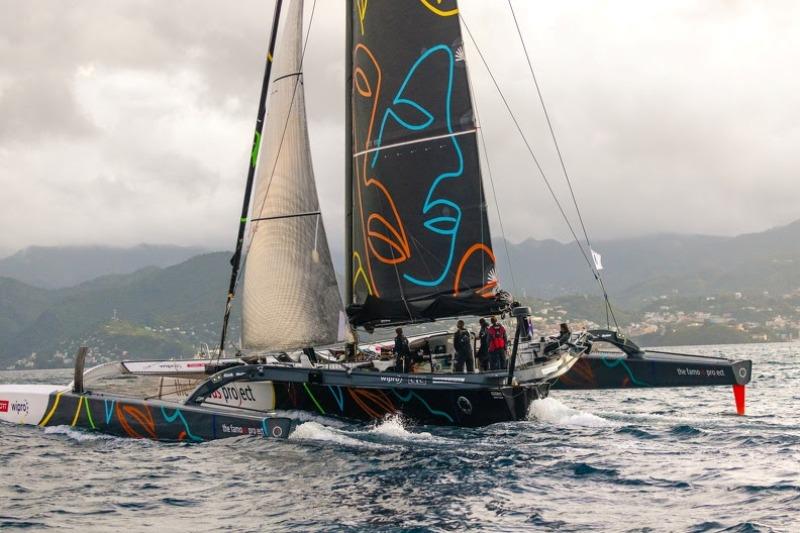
[598,261]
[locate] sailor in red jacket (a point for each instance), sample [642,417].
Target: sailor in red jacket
[498,340]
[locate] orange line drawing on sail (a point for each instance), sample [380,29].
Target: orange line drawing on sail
[486,290]
[145,419]
[362,13]
[438,11]
[364,88]
[400,243]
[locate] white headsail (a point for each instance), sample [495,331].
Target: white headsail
[290,297]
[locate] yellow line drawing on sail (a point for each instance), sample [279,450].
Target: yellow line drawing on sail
[362,13]
[440,12]
[361,273]
[47,418]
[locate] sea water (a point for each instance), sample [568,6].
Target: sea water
[637,460]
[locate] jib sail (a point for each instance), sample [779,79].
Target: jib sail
[290,297]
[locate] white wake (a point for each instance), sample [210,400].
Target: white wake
[552,411]
[394,427]
[318,432]
[75,434]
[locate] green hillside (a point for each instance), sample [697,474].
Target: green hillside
[666,290]
[155,312]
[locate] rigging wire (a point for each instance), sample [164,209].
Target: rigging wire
[491,182]
[595,271]
[533,156]
[527,144]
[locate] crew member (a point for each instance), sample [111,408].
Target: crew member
[483,345]
[462,342]
[564,335]
[402,353]
[498,340]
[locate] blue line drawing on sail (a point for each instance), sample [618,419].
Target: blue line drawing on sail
[447,225]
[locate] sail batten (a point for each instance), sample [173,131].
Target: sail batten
[290,297]
[419,243]
[415,141]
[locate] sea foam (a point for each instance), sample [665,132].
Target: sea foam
[552,411]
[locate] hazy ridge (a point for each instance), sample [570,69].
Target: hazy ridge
[171,304]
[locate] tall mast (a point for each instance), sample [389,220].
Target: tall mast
[236,260]
[348,156]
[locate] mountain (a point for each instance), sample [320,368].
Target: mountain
[66,266]
[20,305]
[640,268]
[167,311]
[155,312]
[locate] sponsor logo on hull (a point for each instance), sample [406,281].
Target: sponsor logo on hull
[258,396]
[157,367]
[25,404]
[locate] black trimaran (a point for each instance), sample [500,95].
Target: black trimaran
[419,250]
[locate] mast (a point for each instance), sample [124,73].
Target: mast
[348,156]
[236,260]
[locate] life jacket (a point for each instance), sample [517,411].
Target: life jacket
[497,338]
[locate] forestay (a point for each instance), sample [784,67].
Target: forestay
[290,296]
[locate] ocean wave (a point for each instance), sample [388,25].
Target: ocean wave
[552,411]
[305,416]
[685,430]
[394,427]
[314,431]
[77,434]
[636,432]
[748,527]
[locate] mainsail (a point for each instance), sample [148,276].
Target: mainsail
[290,296]
[420,243]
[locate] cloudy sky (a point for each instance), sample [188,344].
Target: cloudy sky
[130,121]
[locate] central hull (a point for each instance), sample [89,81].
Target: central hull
[451,407]
[448,399]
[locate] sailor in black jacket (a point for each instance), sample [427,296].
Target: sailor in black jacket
[402,352]
[483,346]
[462,342]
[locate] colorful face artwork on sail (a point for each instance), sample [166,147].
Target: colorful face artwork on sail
[420,229]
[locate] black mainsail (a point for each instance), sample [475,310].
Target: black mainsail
[420,243]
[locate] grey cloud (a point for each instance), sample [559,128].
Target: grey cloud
[672,116]
[37,107]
